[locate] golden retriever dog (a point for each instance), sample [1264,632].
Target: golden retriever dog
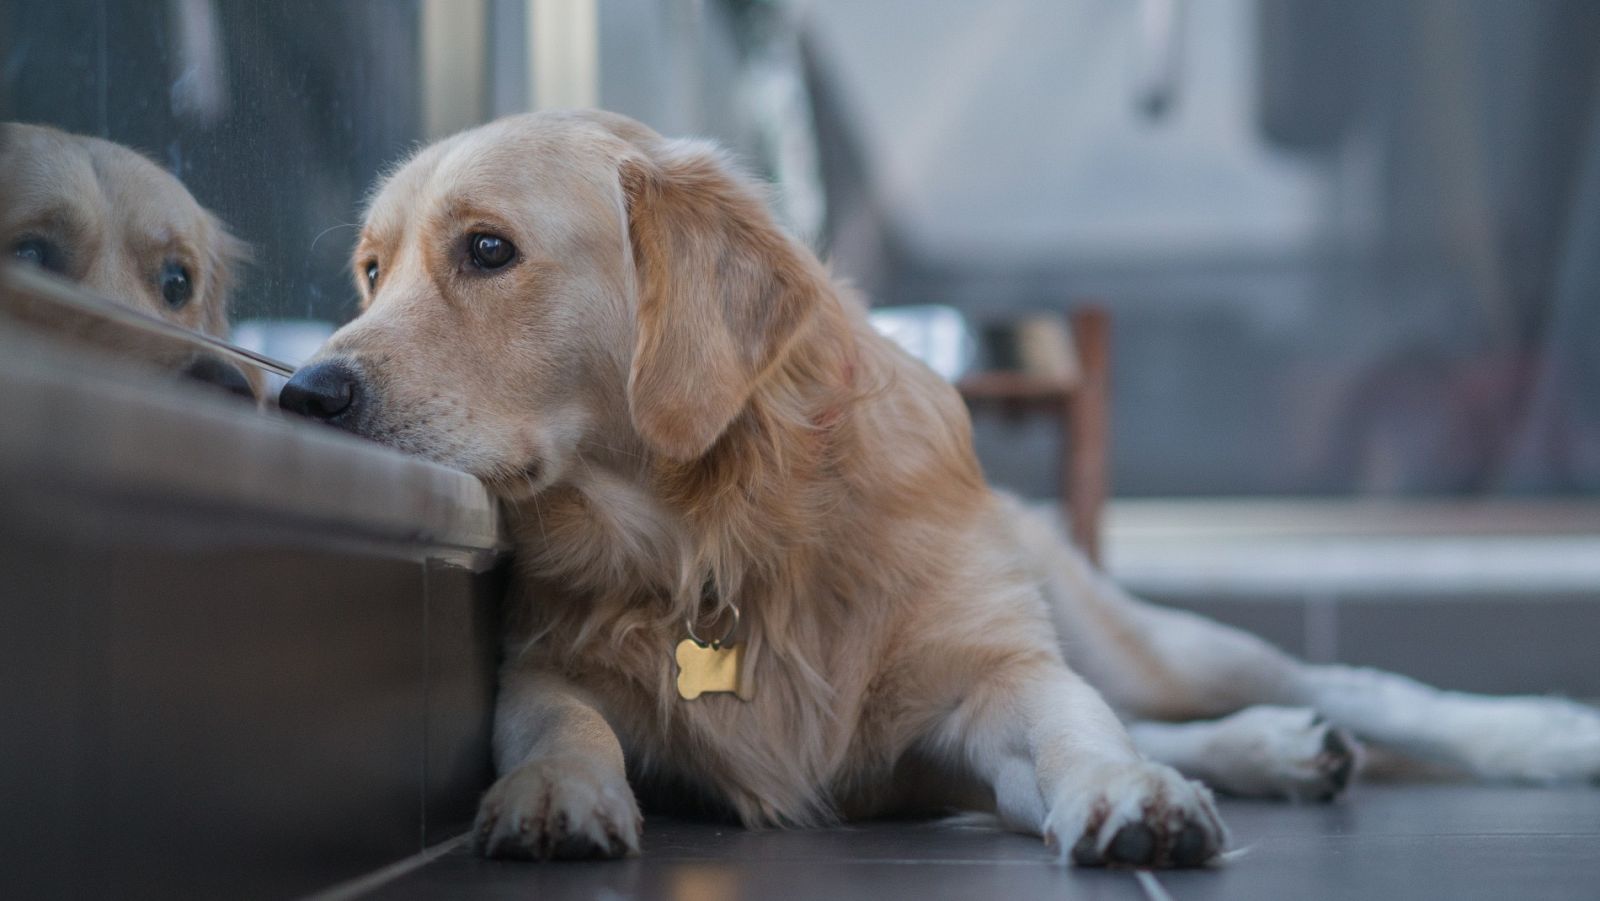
[105,217]
[759,569]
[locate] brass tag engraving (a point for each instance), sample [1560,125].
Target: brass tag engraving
[703,669]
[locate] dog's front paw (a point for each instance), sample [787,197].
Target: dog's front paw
[559,808]
[1137,814]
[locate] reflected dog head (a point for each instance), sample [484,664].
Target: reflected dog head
[107,218]
[556,288]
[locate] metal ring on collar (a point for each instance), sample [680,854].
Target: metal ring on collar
[688,622]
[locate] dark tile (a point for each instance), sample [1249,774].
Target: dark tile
[1421,810]
[1410,842]
[698,862]
[1415,868]
[904,842]
[1423,842]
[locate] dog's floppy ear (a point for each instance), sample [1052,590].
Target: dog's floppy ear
[722,294]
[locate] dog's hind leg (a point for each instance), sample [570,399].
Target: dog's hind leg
[1154,663]
[1151,662]
[1527,739]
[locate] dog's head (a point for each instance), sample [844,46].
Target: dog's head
[552,286]
[102,215]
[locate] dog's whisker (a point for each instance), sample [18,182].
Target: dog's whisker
[331,228]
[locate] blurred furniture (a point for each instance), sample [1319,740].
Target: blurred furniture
[1080,404]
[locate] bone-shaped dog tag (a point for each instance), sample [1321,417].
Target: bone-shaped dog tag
[705,668]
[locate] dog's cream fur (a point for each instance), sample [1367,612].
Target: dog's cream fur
[686,414]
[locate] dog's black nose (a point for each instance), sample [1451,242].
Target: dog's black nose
[329,391]
[224,375]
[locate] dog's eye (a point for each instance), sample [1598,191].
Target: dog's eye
[490,252]
[41,253]
[372,275]
[176,286]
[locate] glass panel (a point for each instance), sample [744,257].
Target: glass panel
[265,124]
[273,116]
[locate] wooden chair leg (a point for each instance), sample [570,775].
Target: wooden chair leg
[1086,422]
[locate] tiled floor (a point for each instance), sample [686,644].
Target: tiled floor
[1381,842]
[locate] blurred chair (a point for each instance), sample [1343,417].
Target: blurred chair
[1078,398]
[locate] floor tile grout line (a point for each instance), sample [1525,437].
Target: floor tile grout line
[1153,889]
[361,885]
